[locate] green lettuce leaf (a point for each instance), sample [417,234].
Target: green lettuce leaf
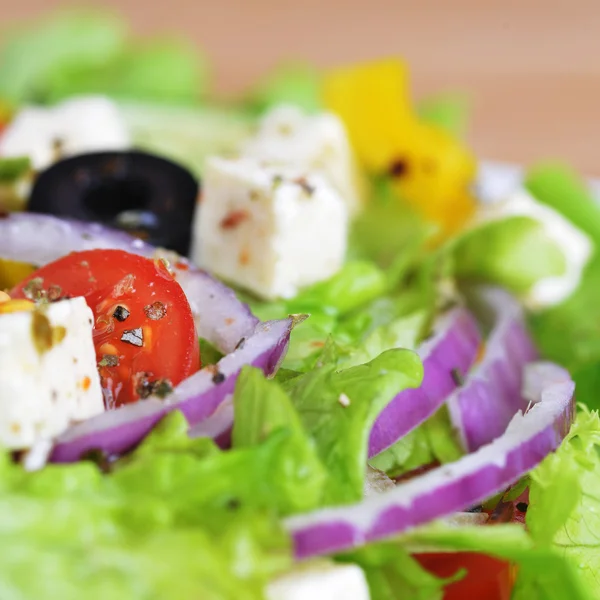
[564,509]
[514,252]
[262,408]
[355,285]
[570,332]
[433,441]
[392,574]
[339,408]
[158,524]
[389,232]
[543,574]
[403,332]
[160,70]
[297,84]
[448,111]
[562,189]
[186,134]
[32,56]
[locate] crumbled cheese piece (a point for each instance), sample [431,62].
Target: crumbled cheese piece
[79,125]
[287,136]
[320,580]
[269,230]
[48,374]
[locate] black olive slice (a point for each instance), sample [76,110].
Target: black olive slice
[146,195]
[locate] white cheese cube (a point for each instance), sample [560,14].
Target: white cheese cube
[287,136]
[267,229]
[76,126]
[320,580]
[48,374]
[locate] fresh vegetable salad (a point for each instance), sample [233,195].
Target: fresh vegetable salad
[303,345]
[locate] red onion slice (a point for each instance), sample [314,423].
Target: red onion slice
[39,239]
[452,487]
[198,397]
[453,348]
[482,408]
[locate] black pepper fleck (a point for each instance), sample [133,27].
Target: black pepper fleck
[218,377]
[308,189]
[109,360]
[457,377]
[146,388]
[240,344]
[135,337]
[34,289]
[121,313]
[155,311]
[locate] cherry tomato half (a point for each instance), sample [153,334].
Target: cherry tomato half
[144,331]
[487,577]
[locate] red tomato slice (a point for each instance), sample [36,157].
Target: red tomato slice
[144,330]
[487,577]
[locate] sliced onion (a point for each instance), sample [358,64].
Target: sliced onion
[450,488]
[218,426]
[452,349]
[482,408]
[39,239]
[198,397]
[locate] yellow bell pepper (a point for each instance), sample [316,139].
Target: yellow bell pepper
[430,169]
[13,272]
[12,306]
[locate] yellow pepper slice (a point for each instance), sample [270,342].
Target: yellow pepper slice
[431,170]
[13,272]
[12,306]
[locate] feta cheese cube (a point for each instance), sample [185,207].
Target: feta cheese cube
[48,374]
[287,136]
[76,126]
[320,580]
[270,230]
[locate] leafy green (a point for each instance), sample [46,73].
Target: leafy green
[297,84]
[12,169]
[356,283]
[448,111]
[393,574]
[162,70]
[564,494]
[570,332]
[562,189]
[32,56]
[262,408]
[514,252]
[187,134]
[340,407]
[160,524]
[543,573]
[388,232]
[433,441]
[403,332]
[81,52]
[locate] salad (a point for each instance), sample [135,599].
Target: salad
[303,345]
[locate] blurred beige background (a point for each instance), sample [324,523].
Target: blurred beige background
[531,68]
